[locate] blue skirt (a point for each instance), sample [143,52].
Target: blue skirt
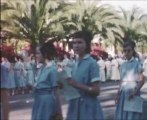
[12,83]
[30,78]
[120,114]
[85,108]
[44,106]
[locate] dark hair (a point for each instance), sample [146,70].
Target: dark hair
[86,36]
[94,57]
[20,58]
[131,44]
[48,50]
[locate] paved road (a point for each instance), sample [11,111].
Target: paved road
[21,105]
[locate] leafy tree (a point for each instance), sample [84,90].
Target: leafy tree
[91,16]
[37,20]
[131,24]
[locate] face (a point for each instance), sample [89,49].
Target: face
[128,52]
[38,55]
[79,46]
[65,56]
[2,59]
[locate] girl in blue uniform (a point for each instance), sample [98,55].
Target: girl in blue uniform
[12,83]
[47,101]
[132,80]
[30,72]
[19,75]
[85,78]
[10,75]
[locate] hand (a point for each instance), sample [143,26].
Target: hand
[71,82]
[68,65]
[131,95]
[31,55]
[60,84]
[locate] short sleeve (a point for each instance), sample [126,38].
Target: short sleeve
[53,77]
[139,68]
[94,72]
[8,65]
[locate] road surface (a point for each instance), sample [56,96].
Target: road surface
[21,105]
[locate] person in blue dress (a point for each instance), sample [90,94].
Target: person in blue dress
[16,75]
[19,75]
[47,105]
[85,78]
[12,84]
[30,72]
[132,80]
[8,64]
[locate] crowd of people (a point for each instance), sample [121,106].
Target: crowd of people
[39,74]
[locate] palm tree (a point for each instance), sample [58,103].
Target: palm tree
[37,20]
[130,24]
[4,16]
[84,15]
[12,32]
[98,19]
[143,35]
[7,31]
[8,9]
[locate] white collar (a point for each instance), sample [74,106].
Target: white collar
[85,57]
[39,65]
[130,59]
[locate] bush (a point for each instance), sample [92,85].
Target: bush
[8,52]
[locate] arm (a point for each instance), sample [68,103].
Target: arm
[139,86]
[58,98]
[54,79]
[140,83]
[8,66]
[93,90]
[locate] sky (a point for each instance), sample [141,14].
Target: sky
[128,4]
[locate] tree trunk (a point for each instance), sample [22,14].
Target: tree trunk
[16,44]
[142,48]
[115,48]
